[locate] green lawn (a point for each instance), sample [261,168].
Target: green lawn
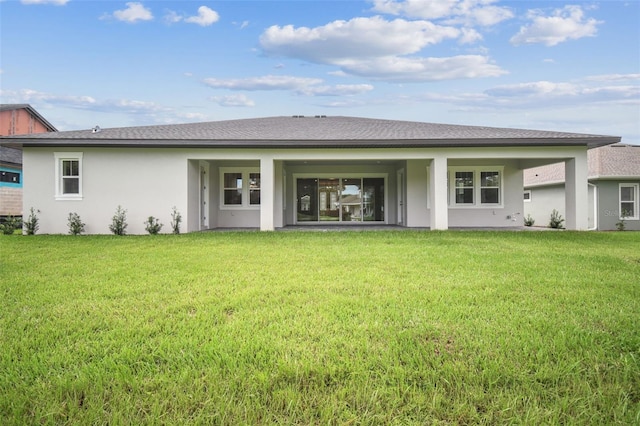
[343,328]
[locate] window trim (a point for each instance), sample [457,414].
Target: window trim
[60,157]
[635,187]
[246,190]
[477,187]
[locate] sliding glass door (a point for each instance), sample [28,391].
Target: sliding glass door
[346,199]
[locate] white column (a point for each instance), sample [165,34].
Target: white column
[416,200]
[577,192]
[267,194]
[438,194]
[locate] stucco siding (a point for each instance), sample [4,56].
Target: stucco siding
[543,200]
[509,214]
[145,182]
[609,205]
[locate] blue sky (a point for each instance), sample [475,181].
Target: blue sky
[549,65]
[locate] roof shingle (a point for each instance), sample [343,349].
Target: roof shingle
[311,132]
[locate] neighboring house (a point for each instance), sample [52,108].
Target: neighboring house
[16,119]
[274,172]
[614,189]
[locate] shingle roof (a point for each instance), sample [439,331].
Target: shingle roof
[10,156]
[32,111]
[607,162]
[311,132]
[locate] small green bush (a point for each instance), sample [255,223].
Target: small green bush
[9,226]
[555,221]
[176,219]
[31,225]
[153,225]
[529,221]
[76,226]
[119,222]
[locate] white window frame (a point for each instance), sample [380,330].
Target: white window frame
[61,157]
[527,191]
[477,187]
[635,187]
[245,172]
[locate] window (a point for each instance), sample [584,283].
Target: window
[68,175]
[9,177]
[464,187]
[490,187]
[629,201]
[527,195]
[476,187]
[240,188]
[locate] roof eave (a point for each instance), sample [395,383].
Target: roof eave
[318,143]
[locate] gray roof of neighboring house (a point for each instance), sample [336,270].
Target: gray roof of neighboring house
[319,131]
[607,162]
[10,156]
[11,107]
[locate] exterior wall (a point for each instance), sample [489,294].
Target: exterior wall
[609,205]
[20,122]
[509,214]
[11,194]
[145,182]
[603,202]
[10,201]
[543,200]
[230,217]
[150,181]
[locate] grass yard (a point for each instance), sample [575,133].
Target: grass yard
[336,328]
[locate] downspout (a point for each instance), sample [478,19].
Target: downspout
[595,207]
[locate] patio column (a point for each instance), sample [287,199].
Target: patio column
[439,219]
[577,192]
[416,200]
[267,194]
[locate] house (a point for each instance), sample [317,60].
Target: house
[274,172]
[613,190]
[16,119]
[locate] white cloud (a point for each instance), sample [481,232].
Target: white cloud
[337,90]
[568,23]
[134,12]
[356,38]
[468,12]
[299,85]
[380,49]
[82,102]
[614,77]
[424,69]
[205,17]
[268,82]
[592,90]
[233,101]
[54,2]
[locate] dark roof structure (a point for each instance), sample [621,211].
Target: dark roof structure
[618,161]
[309,132]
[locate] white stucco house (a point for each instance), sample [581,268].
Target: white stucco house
[613,174]
[275,172]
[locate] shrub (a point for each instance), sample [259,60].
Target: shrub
[31,225]
[153,225]
[9,226]
[176,219]
[621,225]
[76,226]
[555,220]
[119,222]
[529,221]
